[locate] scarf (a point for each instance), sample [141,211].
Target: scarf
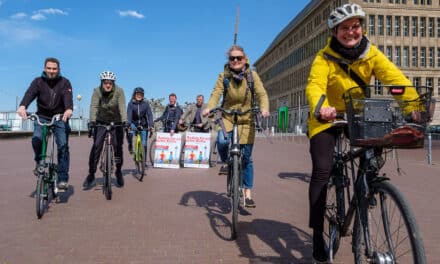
[349,53]
[238,76]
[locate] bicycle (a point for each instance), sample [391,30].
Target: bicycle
[384,227]
[139,154]
[107,158]
[46,169]
[234,178]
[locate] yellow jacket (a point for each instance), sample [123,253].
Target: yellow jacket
[238,97]
[326,77]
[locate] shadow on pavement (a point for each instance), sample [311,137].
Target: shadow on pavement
[295,175]
[218,208]
[292,245]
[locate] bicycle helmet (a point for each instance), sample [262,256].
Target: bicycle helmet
[107,75]
[138,90]
[343,13]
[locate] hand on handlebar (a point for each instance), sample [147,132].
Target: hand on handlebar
[22,112]
[327,113]
[205,112]
[265,113]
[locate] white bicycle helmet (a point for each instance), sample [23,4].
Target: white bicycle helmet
[107,75]
[343,13]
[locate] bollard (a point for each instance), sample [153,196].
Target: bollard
[429,149]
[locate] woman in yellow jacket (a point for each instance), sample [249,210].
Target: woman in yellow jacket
[238,96]
[349,46]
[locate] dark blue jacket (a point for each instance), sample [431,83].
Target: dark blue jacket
[140,111]
[171,117]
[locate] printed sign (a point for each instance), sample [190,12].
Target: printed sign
[196,150]
[167,150]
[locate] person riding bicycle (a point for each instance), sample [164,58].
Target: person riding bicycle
[347,47]
[139,113]
[107,105]
[54,96]
[239,96]
[171,115]
[193,116]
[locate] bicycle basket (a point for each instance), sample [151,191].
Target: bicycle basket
[387,120]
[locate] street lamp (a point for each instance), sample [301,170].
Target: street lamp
[79,97]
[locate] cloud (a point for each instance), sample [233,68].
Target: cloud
[41,14]
[130,13]
[19,32]
[19,15]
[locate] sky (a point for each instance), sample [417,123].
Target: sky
[163,46]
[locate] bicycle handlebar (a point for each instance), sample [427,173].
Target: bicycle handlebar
[238,112]
[34,117]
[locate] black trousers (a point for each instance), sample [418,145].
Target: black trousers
[321,150]
[98,143]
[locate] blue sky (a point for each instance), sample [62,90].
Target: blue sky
[164,46]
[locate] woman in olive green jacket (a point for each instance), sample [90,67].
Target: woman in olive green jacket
[238,96]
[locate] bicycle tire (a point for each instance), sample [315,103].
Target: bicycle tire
[385,204]
[137,158]
[151,152]
[213,155]
[332,234]
[235,197]
[142,161]
[41,196]
[107,174]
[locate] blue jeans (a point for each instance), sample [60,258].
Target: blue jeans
[246,152]
[61,131]
[144,135]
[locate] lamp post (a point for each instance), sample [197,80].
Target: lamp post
[79,97]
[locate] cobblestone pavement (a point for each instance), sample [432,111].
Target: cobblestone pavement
[183,215]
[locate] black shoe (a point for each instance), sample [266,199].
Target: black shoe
[223,170]
[63,186]
[88,182]
[119,178]
[130,148]
[319,252]
[249,203]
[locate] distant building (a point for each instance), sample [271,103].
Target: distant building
[407,31]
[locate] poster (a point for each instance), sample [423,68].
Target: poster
[167,150]
[196,150]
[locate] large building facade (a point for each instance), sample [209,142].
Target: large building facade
[407,32]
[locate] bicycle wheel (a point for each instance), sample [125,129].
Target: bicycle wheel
[141,161]
[213,155]
[107,174]
[137,158]
[41,196]
[151,152]
[393,233]
[332,234]
[235,197]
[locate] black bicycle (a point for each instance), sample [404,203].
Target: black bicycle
[46,169]
[107,159]
[384,226]
[234,178]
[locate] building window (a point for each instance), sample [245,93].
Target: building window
[397,26]
[414,26]
[405,58]
[397,56]
[416,81]
[438,57]
[431,27]
[423,26]
[389,53]
[378,89]
[390,1]
[416,2]
[438,86]
[406,26]
[431,57]
[381,48]
[414,57]
[389,25]
[429,82]
[404,2]
[371,25]
[380,25]
[423,57]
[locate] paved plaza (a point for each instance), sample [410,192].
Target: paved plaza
[183,215]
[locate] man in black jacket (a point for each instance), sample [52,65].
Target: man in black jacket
[54,96]
[171,115]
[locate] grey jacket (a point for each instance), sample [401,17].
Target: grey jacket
[190,113]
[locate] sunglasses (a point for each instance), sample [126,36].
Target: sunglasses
[107,82]
[233,58]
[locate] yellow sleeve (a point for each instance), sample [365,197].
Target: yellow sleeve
[260,93]
[217,92]
[317,82]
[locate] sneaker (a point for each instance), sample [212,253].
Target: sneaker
[223,170]
[249,203]
[319,252]
[119,178]
[88,182]
[130,148]
[62,186]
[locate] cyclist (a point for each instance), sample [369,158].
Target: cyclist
[239,96]
[139,113]
[54,96]
[107,105]
[193,115]
[171,115]
[347,46]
